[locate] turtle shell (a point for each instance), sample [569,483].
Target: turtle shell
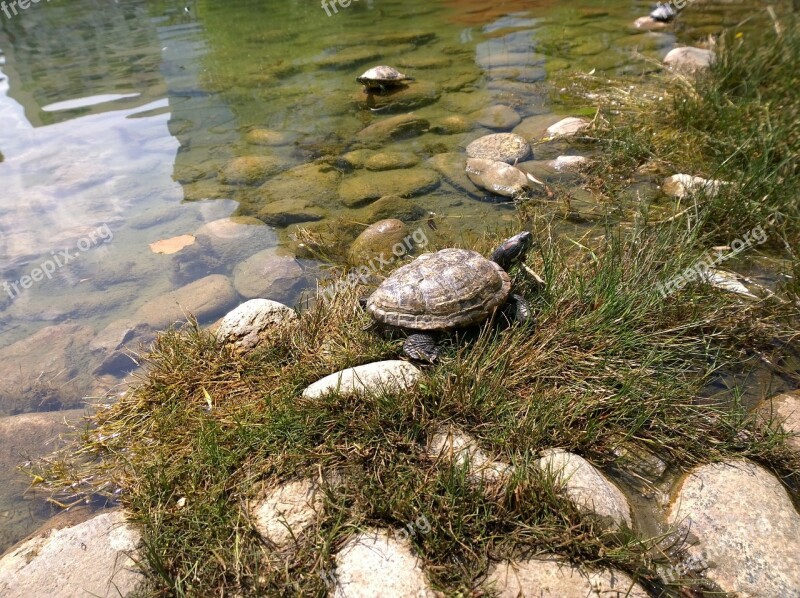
[438,291]
[383,74]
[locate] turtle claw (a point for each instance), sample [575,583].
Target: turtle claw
[421,347]
[518,310]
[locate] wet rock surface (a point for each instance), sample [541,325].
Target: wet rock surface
[206,299]
[497,177]
[380,239]
[266,275]
[747,529]
[364,187]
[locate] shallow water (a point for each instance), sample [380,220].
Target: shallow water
[118,122]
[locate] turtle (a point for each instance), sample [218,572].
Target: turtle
[447,290]
[663,13]
[381,77]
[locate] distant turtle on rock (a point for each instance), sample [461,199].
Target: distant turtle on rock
[447,290]
[382,77]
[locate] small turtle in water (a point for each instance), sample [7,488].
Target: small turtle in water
[663,13]
[381,77]
[446,290]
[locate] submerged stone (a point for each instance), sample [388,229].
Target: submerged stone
[249,170]
[364,187]
[378,239]
[503,147]
[402,126]
[270,276]
[498,117]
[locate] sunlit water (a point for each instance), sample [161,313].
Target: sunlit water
[118,121]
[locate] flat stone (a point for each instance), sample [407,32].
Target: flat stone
[111,346]
[364,187]
[747,528]
[307,184]
[402,126]
[290,211]
[46,371]
[554,577]
[268,137]
[391,161]
[535,127]
[392,206]
[567,126]
[451,166]
[649,24]
[688,59]
[683,185]
[375,565]
[88,559]
[378,239]
[206,299]
[249,170]
[503,147]
[498,117]
[413,95]
[282,514]
[591,492]
[248,324]
[268,276]
[172,245]
[450,125]
[373,377]
[784,410]
[570,163]
[24,437]
[461,449]
[497,177]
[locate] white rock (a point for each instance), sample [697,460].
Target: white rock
[375,565]
[689,59]
[726,281]
[245,325]
[88,559]
[282,514]
[747,528]
[497,177]
[784,409]
[567,126]
[570,163]
[682,185]
[553,577]
[460,448]
[372,377]
[587,487]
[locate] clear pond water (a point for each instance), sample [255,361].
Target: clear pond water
[126,123]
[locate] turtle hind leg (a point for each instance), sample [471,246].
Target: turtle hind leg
[421,347]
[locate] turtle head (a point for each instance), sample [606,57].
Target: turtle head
[512,249]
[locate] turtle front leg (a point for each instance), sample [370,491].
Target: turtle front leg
[518,309]
[421,347]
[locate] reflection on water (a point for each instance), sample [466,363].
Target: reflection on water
[158,119]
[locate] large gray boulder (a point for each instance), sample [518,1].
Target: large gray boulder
[553,577]
[589,489]
[372,377]
[747,529]
[92,558]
